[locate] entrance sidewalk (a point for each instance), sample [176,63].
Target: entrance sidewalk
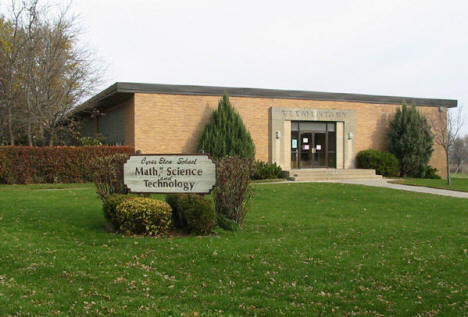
[386,184]
[419,189]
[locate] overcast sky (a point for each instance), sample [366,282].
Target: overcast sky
[403,48]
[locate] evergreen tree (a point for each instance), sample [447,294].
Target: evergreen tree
[225,134]
[411,141]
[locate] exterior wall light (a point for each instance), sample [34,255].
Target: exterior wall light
[278,134]
[350,135]
[441,109]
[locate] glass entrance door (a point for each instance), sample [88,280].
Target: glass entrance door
[320,149]
[313,148]
[306,156]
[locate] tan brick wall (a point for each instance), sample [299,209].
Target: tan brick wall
[173,123]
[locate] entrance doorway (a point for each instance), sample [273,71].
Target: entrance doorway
[313,144]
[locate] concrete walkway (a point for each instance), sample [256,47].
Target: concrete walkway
[419,189]
[386,184]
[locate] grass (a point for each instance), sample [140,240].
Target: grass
[305,249]
[459,182]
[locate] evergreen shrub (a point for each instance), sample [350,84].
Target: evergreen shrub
[231,194]
[431,172]
[384,163]
[225,134]
[264,170]
[140,215]
[411,141]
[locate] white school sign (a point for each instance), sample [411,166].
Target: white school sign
[171,173]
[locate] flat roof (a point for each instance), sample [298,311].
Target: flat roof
[121,91]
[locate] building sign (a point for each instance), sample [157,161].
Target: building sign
[313,114]
[172,173]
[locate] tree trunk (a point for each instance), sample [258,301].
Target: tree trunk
[51,140]
[449,179]
[30,142]
[10,126]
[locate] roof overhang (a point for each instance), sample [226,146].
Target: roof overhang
[121,91]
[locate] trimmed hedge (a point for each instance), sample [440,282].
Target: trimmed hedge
[384,163]
[57,164]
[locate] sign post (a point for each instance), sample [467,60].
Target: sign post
[170,173]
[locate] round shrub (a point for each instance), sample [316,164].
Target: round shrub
[178,219]
[140,215]
[384,163]
[198,213]
[109,207]
[194,213]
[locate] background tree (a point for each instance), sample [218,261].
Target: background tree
[225,134]
[411,141]
[459,153]
[44,72]
[447,126]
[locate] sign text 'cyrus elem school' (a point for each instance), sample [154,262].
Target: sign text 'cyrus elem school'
[172,173]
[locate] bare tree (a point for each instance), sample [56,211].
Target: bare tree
[10,50]
[459,153]
[46,73]
[446,126]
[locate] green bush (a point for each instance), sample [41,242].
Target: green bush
[92,141]
[231,194]
[226,224]
[178,219]
[192,213]
[108,174]
[411,141]
[109,207]
[264,170]
[140,215]
[431,172]
[198,214]
[225,134]
[384,163]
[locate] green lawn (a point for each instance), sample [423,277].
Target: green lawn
[459,182]
[306,249]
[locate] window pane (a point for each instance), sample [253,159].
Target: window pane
[332,141]
[314,126]
[294,126]
[331,127]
